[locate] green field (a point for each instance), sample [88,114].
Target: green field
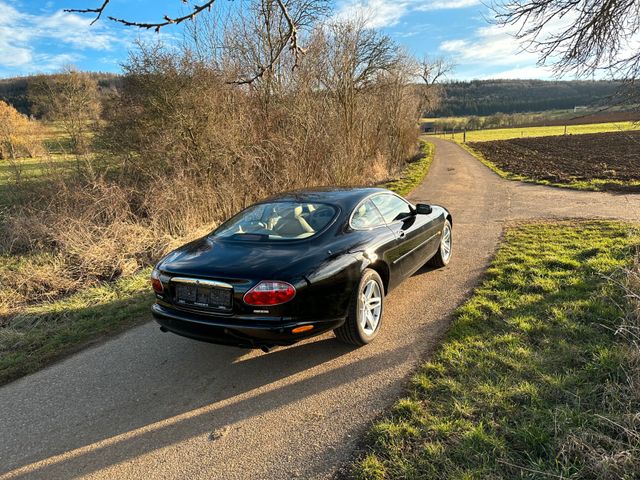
[518,132]
[532,380]
[57,159]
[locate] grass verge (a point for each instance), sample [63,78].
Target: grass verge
[415,171]
[532,380]
[48,331]
[595,185]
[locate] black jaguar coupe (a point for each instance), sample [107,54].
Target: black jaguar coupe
[297,265]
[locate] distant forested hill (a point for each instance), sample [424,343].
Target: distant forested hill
[486,97]
[478,97]
[15,90]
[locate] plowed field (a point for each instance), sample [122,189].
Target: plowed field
[611,160]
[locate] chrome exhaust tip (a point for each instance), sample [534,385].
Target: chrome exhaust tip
[164,329]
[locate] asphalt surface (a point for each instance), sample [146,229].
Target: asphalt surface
[153,405]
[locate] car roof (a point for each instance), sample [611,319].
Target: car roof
[346,197]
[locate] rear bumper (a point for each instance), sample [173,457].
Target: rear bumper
[232,331]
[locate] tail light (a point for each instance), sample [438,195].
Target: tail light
[269,293]
[155,281]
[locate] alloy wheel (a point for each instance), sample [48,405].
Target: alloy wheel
[446,242]
[370,307]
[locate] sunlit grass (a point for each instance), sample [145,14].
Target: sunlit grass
[414,172]
[58,157]
[530,362]
[43,332]
[521,132]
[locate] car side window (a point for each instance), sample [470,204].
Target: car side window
[366,216]
[391,207]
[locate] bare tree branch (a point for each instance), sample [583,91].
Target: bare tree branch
[167,20]
[293,33]
[148,26]
[98,10]
[291,37]
[432,70]
[581,36]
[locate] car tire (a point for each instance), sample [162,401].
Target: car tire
[364,319]
[443,255]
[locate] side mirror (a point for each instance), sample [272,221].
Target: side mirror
[423,209]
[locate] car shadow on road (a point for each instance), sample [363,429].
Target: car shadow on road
[191,400]
[426,268]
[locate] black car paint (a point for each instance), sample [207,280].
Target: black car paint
[324,269]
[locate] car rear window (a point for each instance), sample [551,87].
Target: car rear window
[287,220]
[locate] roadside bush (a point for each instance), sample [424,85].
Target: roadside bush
[19,136]
[208,147]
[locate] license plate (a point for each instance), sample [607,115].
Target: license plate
[203,296]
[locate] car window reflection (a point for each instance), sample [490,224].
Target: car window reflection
[288,220]
[391,207]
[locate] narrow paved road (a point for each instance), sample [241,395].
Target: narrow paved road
[152,405]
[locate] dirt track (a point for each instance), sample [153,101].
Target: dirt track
[153,405]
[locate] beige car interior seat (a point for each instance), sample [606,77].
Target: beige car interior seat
[292,224]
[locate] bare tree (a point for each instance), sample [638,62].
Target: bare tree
[255,45]
[578,36]
[70,98]
[435,69]
[288,35]
[355,57]
[432,70]
[401,106]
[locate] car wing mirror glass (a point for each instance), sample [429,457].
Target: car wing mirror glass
[423,209]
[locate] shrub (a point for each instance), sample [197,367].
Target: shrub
[19,136]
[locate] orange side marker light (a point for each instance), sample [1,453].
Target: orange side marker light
[303,328]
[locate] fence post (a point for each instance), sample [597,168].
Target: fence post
[565,129]
[464,136]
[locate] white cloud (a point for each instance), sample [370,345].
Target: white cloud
[524,73]
[74,30]
[494,52]
[376,13]
[447,5]
[493,44]
[494,49]
[19,33]
[386,13]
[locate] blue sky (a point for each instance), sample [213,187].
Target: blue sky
[37,36]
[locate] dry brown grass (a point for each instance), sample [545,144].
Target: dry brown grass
[87,233]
